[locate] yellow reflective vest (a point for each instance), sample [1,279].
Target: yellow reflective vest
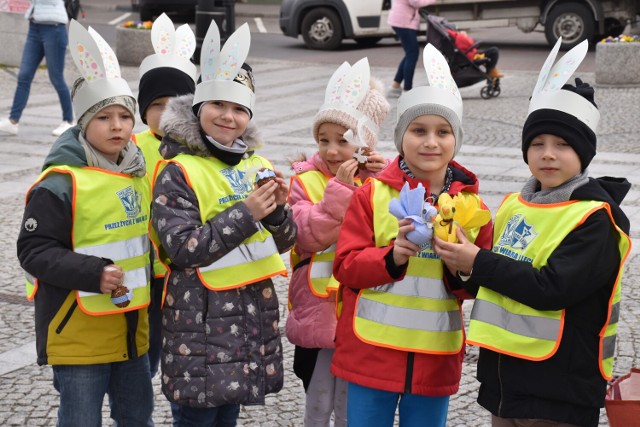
[149,145]
[417,313]
[319,276]
[530,233]
[110,220]
[219,186]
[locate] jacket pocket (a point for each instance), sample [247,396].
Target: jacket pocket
[66,318]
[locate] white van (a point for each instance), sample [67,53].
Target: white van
[323,24]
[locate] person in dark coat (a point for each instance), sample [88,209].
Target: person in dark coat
[548,293]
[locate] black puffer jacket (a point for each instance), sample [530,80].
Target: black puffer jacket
[218,347]
[579,276]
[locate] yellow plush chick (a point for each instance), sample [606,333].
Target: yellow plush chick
[461,210]
[443,224]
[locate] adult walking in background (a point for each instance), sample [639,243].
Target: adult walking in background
[404,18]
[47,38]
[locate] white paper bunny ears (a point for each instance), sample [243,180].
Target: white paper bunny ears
[98,65]
[221,70]
[439,97]
[547,93]
[441,88]
[353,99]
[173,48]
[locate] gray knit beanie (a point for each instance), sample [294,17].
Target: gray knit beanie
[418,110]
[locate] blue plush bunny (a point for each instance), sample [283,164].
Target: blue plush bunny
[411,204]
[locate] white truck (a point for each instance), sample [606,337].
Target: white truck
[323,24]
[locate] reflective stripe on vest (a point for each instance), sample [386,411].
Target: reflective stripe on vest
[149,145]
[319,274]
[117,230]
[417,313]
[32,285]
[507,326]
[218,186]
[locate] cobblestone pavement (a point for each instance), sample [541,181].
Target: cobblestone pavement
[288,95]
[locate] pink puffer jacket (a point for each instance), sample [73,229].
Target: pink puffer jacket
[312,320]
[404,13]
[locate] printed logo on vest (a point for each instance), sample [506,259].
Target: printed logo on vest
[237,180]
[517,234]
[131,201]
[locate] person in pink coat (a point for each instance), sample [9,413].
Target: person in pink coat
[319,195]
[404,18]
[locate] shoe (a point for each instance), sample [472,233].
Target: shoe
[495,74]
[62,128]
[9,127]
[394,92]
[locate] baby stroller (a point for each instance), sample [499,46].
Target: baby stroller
[465,72]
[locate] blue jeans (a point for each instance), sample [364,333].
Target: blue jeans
[82,389]
[371,407]
[409,41]
[220,416]
[43,41]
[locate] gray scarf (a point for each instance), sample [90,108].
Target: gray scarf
[131,161]
[531,191]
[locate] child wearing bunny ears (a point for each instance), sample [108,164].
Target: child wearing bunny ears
[400,338]
[222,236]
[84,236]
[165,74]
[554,273]
[319,196]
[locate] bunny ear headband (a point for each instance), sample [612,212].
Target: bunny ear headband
[441,88]
[547,93]
[98,65]
[220,68]
[173,48]
[345,91]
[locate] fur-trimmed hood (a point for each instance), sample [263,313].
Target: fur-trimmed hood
[183,133]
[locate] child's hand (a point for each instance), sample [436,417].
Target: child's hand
[262,201]
[282,191]
[458,257]
[375,162]
[403,248]
[347,171]
[112,277]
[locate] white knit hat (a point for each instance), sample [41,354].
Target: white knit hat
[354,100]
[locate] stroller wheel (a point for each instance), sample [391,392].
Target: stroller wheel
[485,92]
[496,91]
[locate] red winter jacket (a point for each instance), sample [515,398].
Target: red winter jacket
[463,42]
[360,264]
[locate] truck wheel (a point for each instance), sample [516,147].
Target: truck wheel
[321,29]
[571,21]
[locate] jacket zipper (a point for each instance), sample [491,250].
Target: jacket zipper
[66,317]
[409,374]
[500,383]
